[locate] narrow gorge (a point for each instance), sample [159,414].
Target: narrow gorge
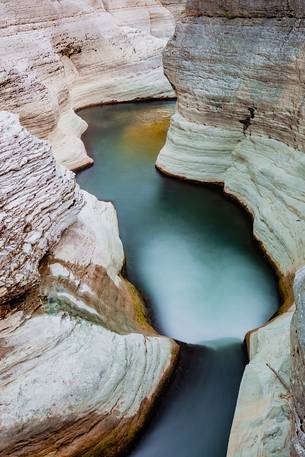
[205,282]
[143,356]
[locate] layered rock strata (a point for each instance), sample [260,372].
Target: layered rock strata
[237,68]
[262,418]
[80,366]
[58,56]
[39,199]
[298,368]
[240,117]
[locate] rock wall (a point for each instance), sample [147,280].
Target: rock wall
[240,117]
[58,56]
[238,70]
[246,8]
[262,419]
[298,368]
[80,367]
[38,201]
[176,7]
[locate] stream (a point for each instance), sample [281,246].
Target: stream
[191,253]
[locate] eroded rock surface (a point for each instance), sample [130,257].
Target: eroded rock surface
[247,8]
[70,386]
[238,70]
[298,367]
[57,56]
[79,369]
[262,417]
[240,115]
[83,271]
[39,199]
[80,366]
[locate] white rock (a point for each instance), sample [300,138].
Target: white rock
[68,54]
[38,200]
[261,426]
[237,67]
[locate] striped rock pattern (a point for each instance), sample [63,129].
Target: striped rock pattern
[238,69]
[39,199]
[58,56]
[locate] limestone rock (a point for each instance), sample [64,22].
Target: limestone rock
[38,201]
[266,175]
[240,113]
[176,7]
[68,148]
[248,8]
[238,69]
[58,56]
[83,271]
[80,366]
[298,367]
[261,426]
[79,370]
[97,227]
[69,386]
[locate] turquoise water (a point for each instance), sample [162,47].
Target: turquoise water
[191,253]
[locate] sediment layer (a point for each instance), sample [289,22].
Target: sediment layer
[39,199]
[80,365]
[237,69]
[56,57]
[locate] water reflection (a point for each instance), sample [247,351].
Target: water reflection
[191,252]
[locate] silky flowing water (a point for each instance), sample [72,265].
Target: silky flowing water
[191,253]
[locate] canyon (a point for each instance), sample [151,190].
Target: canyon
[80,365]
[58,395]
[205,283]
[237,69]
